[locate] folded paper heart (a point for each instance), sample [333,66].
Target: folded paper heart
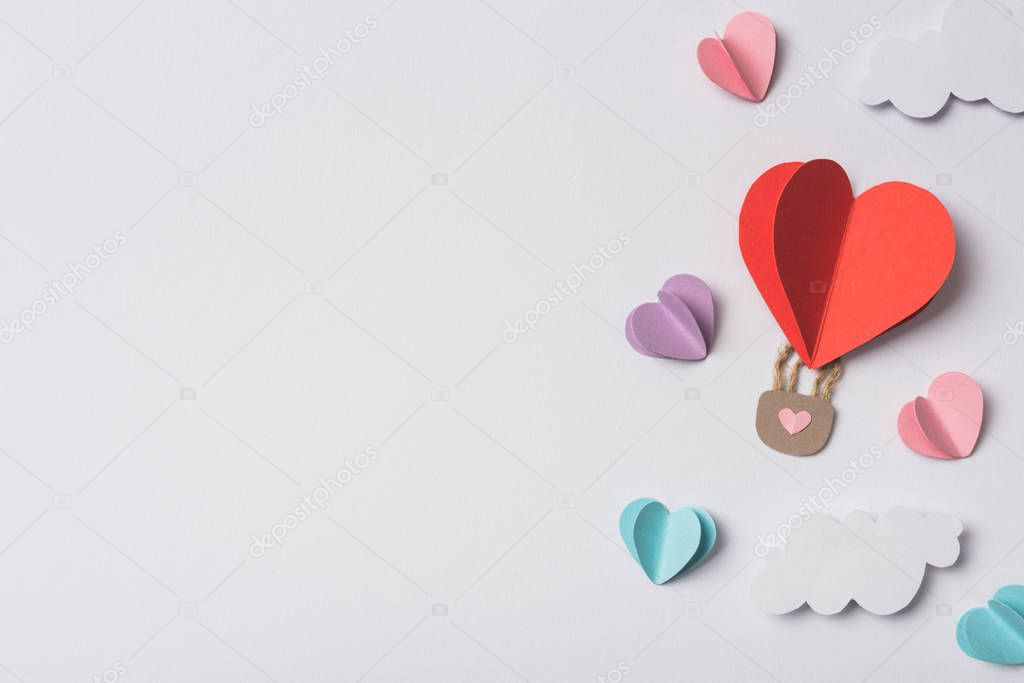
[665,543]
[947,423]
[742,62]
[837,270]
[996,633]
[679,326]
[794,422]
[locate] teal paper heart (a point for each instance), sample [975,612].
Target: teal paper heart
[665,543]
[995,633]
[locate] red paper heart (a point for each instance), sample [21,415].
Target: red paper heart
[837,271]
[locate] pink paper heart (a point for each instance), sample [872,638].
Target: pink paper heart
[679,326]
[794,422]
[743,61]
[947,423]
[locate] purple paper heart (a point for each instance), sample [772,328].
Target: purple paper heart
[679,326]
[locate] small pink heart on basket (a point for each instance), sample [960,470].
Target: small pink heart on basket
[794,422]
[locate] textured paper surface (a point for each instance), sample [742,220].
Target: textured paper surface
[808,440]
[977,55]
[879,565]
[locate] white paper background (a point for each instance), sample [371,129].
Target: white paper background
[481,544]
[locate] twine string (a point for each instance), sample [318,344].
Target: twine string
[780,365]
[794,374]
[824,382]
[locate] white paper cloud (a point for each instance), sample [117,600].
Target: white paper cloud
[879,565]
[979,54]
